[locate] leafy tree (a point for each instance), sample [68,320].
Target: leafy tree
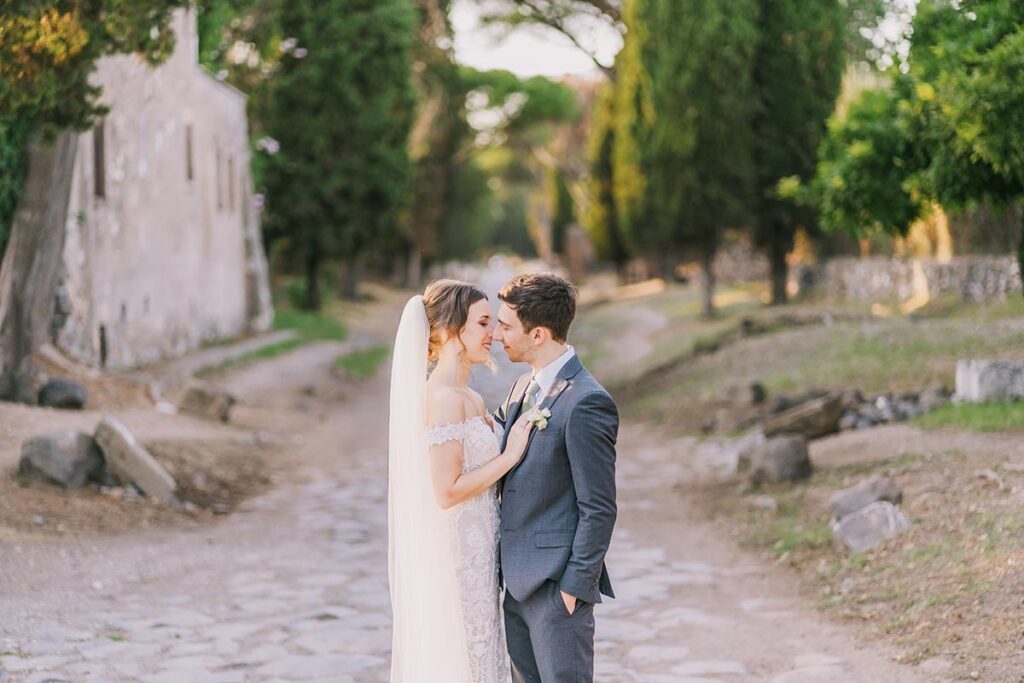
[48,48]
[563,212]
[982,95]
[683,158]
[797,74]
[601,219]
[341,110]
[439,131]
[865,179]
[948,129]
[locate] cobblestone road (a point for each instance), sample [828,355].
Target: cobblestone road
[293,586]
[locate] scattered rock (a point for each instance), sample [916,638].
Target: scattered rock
[780,459]
[732,418]
[67,458]
[811,419]
[204,400]
[779,402]
[851,399]
[870,526]
[62,393]
[978,381]
[861,495]
[933,398]
[745,449]
[887,408]
[131,461]
[991,476]
[746,395]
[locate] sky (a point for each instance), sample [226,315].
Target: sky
[528,51]
[535,51]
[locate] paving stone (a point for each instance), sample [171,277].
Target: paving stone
[811,674]
[710,668]
[647,654]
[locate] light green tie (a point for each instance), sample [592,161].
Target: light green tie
[530,400]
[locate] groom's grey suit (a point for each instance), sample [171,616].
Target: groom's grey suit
[557,513]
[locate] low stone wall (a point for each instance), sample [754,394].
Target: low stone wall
[975,278]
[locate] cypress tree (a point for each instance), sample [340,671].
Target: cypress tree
[341,108]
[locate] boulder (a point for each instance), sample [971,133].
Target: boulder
[68,458]
[978,381]
[812,419]
[207,401]
[130,461]
[780,459]
[870,526]
[861,495]
[62,393]
[726,457]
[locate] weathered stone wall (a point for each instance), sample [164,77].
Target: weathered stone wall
[975,278]
[171,256]
[740,261]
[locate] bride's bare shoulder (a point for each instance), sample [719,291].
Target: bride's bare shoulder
[445,405]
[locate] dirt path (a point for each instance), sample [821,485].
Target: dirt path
[292,587]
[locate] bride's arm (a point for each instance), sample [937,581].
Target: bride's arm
[451,486]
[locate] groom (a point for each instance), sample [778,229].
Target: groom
[558,504]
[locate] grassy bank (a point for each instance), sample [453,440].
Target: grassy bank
[948,588]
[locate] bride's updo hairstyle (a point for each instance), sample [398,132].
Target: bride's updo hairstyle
[447,304]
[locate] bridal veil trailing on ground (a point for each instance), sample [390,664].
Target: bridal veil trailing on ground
[429,638]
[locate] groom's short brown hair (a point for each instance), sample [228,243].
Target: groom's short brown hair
[542,300]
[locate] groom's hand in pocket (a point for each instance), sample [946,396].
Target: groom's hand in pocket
[570,602]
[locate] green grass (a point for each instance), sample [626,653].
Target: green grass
[310,325]
[978,417]
[363,363]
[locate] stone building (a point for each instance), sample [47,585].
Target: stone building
[162,250]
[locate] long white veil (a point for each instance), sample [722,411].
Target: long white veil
[429,640]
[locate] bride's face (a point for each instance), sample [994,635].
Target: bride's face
[476,335]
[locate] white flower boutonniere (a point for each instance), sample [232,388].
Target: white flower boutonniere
[539,418]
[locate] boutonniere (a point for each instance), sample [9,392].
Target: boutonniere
[539,418]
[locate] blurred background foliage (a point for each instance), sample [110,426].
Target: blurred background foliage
[840,122]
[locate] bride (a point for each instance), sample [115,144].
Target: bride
[444,462]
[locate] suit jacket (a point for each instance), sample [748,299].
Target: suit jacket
[558,504]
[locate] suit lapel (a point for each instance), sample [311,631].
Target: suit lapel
[514,408]
[563,382]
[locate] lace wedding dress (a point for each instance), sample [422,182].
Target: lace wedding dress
[473,527]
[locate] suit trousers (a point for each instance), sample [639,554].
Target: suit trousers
[546,643]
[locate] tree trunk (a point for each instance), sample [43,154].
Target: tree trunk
[1020,251]
[414,273]
[399,270]
[32,263]
[707,282]
[779,272]
[350,283]
[313,300]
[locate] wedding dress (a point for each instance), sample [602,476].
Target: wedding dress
[473,528]
[442,564]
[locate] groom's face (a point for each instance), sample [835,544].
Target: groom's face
[519,344]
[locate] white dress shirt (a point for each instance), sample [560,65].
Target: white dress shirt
[549,373]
